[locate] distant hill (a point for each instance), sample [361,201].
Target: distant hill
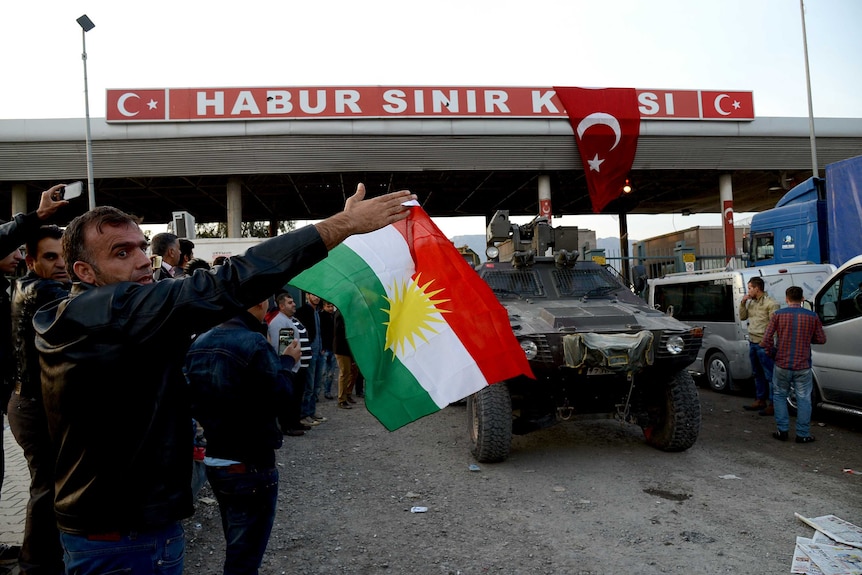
[612,245]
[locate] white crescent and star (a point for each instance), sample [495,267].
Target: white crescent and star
[717,103]
[595,119]
[121,104]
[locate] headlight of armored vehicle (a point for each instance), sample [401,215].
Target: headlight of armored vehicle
[492,252]
[530,349]
[675,344]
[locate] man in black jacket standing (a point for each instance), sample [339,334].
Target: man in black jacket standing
[115,395]
[46,281]
[239,385]
[12,235]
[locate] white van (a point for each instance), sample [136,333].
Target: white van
[711,299]
[837,364]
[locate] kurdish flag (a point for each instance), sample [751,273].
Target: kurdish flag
[423,327]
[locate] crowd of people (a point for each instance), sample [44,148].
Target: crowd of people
[120,350]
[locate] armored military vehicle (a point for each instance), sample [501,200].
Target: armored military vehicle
[596,349]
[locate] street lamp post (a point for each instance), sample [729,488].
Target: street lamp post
[814,171]
[87,25]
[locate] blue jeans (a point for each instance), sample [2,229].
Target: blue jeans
[247,503]
[761,368]
[144,553]
[312,384]
[802,382]
[330,371]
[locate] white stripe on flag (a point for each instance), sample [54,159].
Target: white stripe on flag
[442,365]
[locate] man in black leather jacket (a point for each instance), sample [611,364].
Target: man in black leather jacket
[46,281]
[12,235]
[115,396]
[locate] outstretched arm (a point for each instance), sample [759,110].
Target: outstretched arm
[362,216]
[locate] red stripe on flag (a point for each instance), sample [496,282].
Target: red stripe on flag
[477,318]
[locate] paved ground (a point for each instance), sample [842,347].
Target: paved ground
[13,498]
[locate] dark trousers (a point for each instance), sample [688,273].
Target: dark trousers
[761,366]
[247,501]
[289,418]
[131,553]
[41,551]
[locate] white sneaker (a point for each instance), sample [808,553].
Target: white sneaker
[309,421]
[319,418]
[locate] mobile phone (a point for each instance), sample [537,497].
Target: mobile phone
[285,336]
[156,262]
[72,191]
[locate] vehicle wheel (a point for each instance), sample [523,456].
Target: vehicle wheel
[718,372]
[791,399]
[675,416]
[489,416]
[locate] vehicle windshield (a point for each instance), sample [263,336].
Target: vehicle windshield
[515,283]
[593,281]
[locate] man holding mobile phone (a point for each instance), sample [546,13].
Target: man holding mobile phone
[238,386]
[285,321]
[13,234]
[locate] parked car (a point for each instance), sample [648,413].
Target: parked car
[711,298]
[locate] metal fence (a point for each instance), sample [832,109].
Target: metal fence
[660,263]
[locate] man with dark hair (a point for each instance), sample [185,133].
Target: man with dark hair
[239,384]
[115,396]
[757,307]
[290,418]
[167,246]
[788,339]
[197,264]
[46,281]
[308,315]
[12,235]
[187,253]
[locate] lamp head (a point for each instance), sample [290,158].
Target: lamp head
[85,23]
[627,188]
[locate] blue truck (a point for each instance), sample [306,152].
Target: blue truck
[817,221]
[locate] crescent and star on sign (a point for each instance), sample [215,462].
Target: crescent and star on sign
[717,103]
[595,119]
[121,104]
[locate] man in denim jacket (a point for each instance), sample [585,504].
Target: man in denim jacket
[238,386]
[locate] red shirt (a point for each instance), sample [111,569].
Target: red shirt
[791,331]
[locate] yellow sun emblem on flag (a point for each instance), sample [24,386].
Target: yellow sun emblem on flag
[412,310]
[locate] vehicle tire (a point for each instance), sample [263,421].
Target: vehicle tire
[718,372]
[675,415]
[791,399]
[489,418]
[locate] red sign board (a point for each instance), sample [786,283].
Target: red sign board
[279,103]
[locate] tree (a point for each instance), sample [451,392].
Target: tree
[247,229]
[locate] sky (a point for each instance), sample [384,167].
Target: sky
[730,45]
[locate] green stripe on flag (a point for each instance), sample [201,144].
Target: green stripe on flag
[392,393]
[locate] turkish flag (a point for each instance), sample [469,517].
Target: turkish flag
[606,124]
[727,105]
[140,105]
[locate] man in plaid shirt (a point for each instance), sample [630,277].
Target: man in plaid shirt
[788,339]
